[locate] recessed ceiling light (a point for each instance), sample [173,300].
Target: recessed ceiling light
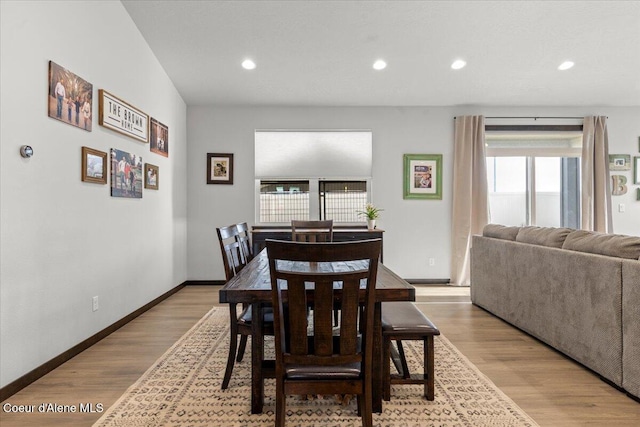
[248,64]
[379,65]
[566,65]
[457,64]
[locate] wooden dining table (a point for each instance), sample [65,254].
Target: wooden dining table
[252,285]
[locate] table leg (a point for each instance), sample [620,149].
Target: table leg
[377,364]
[257,354]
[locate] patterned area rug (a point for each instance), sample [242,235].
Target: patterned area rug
[183,389]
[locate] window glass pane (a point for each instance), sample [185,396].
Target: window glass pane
[507,177]
[511,174]
[283,201]
[548,174]
[547,185]
[340,200]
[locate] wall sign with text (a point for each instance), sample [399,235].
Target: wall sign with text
[122,117]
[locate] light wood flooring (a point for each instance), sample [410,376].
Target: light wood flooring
[551,388]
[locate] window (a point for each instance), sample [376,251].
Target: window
[282,201]
[339,200]
[311,175]
[534,179]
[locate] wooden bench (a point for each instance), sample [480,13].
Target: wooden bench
[404,321]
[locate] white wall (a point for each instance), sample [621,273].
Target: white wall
[63,240]
[624,138]
[415,230]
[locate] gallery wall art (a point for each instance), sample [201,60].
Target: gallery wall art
[94,166]
[422,176]
[151,176]
[219,168]
[70,97]
[159,141]
[122,117]
[126,174]
[619,162]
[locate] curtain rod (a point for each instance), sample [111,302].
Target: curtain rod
[534,118]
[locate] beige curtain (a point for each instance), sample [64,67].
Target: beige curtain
[596,183]
[470,199]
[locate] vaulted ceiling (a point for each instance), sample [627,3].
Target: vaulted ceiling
[320,53]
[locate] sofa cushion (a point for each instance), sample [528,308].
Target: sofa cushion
[497,231]
[615,245]
[543,236]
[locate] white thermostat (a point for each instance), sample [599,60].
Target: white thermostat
[26,151]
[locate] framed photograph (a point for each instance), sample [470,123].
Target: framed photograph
[126,174]
[636,170]
[124,118]
[619,162]
[150,176]
[159,141]
[219,168]
[423,176]
[94,166]
[69,97]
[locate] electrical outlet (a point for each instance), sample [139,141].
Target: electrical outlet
[432,262]
[95,303]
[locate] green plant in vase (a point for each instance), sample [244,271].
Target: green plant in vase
[371,213]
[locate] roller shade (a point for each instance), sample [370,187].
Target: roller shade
[313,154]
[547,144]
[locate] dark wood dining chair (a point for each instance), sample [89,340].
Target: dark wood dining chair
[234,260]
[245,240]
[312,231]
[314,360]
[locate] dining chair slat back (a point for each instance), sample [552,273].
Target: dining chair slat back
[245,240]
[312,231]
[315,359]
[234,259]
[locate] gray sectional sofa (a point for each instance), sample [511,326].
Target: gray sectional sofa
[575,290]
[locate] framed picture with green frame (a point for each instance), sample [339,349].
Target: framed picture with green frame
[422,176]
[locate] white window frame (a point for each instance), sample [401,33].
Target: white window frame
[343,161]
[529,151]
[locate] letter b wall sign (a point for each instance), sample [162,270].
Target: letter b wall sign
[618,185]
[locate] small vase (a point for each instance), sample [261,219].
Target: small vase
[371,224]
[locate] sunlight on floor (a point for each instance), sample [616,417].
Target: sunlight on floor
[431,293]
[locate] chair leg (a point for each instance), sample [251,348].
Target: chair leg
[281,403]
[367,406]
[241,348]
[386,366]
[403,360]
[429,369]
[233,344]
